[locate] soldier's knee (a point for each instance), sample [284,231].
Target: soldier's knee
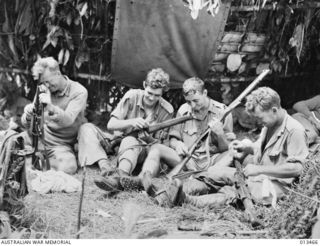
[85,129]
[65,162]
[129,141]
[155,151]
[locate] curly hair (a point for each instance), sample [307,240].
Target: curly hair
[45,63]
[264,97]
[157,78]
[192,85]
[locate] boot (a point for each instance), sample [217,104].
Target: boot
[216,200]
[105,168]
[147,184]
[172,196]
[131,183]
[110,183]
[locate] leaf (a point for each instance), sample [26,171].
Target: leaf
[60,56]
[69,19]
[54,42]
[83,9]
[66,57]
[76,21]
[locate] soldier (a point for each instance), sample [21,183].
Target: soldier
[65,102]
[278,158]
[206,112]
[137,110]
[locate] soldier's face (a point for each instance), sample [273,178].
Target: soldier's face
[196,100]
[267,118]
[151,96]
[51,80]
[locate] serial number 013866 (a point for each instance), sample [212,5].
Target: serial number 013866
[309,241]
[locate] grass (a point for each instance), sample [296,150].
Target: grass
[55,216]
[108,217]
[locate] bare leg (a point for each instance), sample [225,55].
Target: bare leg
[157,153]
[128,156]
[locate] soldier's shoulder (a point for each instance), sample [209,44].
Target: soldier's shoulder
[184,109]
[166,105]
[293,124]
[214,104]
[133,94]
[77,87]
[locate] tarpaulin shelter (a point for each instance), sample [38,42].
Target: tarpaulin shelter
[161,33]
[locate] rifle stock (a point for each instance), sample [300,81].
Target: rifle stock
[168,123]
[109,145]
[176,170]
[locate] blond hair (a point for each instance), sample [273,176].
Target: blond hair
[45,63]
[264,97]
[193,85]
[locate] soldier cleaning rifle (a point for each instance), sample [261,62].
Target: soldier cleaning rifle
[64,102]
[205,112]
[277,159]
[138,109]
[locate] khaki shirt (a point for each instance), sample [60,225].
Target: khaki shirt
[287,145]
[62,127]
[189,131]
[131,106]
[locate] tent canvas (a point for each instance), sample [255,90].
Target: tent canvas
[161,33]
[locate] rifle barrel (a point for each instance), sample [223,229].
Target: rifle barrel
[229,109]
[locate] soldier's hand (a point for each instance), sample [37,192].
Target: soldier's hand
[139,123]
[181,148]
[28,109]
[216,127]
[45,98]
[239,149]
[244,145]
[251,170]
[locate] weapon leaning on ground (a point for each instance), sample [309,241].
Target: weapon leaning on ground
[244,194]
[176,170]
[39,160]
[109,145]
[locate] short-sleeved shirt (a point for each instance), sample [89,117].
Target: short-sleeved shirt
[131,107]
[189,131]
[287,145]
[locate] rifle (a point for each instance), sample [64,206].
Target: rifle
[177,169]
[244,194]
[109,145]
[39,161]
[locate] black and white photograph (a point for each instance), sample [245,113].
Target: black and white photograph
[159,119]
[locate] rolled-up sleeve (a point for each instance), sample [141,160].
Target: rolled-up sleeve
[228,128]
[297,148]
[175,131]
[63,118]
[122,109]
